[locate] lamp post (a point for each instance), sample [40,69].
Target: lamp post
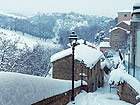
[73,41]
[82,62]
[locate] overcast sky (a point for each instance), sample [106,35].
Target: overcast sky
[92,7]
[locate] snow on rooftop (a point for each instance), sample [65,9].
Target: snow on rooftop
[105,44]
[124,11]
[115,28]
[120,75]
[21,89]
[127,22]
[89,55]
[136,11]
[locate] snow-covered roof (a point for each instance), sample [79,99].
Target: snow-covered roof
[120,75]
[136,11]
[21,89]
[124,11]
[126,22]
[89,55]
[105,44]
[115,28]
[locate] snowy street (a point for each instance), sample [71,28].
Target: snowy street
[100,97]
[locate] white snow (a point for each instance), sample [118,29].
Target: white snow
[124,11]
[28,39]
[11,15]
[81,41]
[138,103]
[61,54]
[106,62]
[136,11]
[89,55]
[49,75]
[105,44]
[100,97]
[21,89]
[127,22]
[117,28]
[120,75]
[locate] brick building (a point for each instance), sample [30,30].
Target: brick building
[118,36]
[124,15]
[124,24]
[93,75]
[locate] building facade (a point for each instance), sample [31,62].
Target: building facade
[124,16]
[135,42]
[93,75]
[124,24]
[118,37]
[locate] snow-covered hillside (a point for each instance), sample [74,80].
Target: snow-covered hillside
[29,40]
[21,89]
[13,15]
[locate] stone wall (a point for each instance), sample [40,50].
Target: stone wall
[61,99]
[127,93]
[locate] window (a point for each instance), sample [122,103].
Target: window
[116,36]
[125,15]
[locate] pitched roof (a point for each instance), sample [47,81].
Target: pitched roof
[89,55]
[126,22]
[115,28]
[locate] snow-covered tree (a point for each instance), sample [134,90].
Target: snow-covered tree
[8,54]
[35,61]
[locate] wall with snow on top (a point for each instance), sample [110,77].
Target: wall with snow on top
[21,89]
[120,75]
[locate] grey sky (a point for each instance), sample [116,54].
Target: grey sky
[92,7]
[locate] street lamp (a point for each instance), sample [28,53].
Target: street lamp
[73,41]
[81,74]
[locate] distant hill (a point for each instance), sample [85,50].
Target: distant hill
[57,26]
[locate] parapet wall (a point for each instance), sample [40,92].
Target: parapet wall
[127,93]
[61,99]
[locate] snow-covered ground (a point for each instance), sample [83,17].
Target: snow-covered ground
[100,97]
[21,89]
[28,39]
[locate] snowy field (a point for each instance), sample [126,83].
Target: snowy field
[21,89]
[100,97]
[28,39]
